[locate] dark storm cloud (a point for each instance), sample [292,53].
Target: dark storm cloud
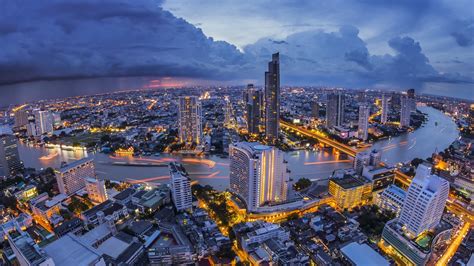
[58,39]
[62,39]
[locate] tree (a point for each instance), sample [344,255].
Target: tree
[301,184]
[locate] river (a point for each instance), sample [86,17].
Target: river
[214,170]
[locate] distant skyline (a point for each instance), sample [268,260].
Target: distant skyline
[426,45]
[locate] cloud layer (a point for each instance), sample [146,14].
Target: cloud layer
[64,39]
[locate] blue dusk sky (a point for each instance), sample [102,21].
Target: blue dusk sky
[426,45]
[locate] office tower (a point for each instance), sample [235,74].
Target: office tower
[335,110]
[315,109]
[43,122]
[384,114]
[21,118]
[71,177]
[425,201]
[258,174]
[272,99]
[10,163]
[405,112]
[253,101]
[96,189]
[180,187]
[31,126]
[349,191]
[363,126]
[190,120]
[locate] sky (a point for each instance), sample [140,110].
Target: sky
[101,45]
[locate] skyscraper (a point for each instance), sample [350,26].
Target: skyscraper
[384,115]
[425,201]
[258,174]
[363,126]
[253,101]
[180,187]
[335,110]
[10,163]
[315,109]
[71,177]
[272,99]
[405,112]
[190,120]
[96,189]
[43,122]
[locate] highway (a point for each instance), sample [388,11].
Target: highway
[323,139]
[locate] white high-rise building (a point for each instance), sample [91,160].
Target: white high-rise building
[43,122]
[190,120]
[425,201]
[362,131]
[384,114]
[71,177]
[258,174]
[405,111]
[96,189]
[180,187]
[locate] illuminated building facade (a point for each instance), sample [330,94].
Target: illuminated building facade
[349,192]
[10,163]
[180,187]
[96,190]
[405,111]
[258,174]
[71,177]
[190,120]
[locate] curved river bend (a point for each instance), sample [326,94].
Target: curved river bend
[214,170]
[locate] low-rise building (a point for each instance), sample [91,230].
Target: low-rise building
[349,191]
[362,255]
[391,199]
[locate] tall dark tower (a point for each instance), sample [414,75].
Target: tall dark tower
[253,98]
[272,99]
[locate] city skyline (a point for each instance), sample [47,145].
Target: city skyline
[208,158]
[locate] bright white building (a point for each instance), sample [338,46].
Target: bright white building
[425,201]
[391,199]
[71,177]
[258,174]
[96,189]
[43,122]
[363,126]
[180,187]
[190,120]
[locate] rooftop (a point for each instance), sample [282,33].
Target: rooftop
[69,250]
[363,255]
[347,182]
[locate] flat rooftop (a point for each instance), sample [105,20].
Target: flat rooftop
[363,255]
[69,250]
[347,182]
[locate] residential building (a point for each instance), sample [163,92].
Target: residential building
[190,120]
[349,191]
[335,110]
[363,126]
[425,201]
[71,177]
[315,109]
[180,187]
[391,199]
[258,174]
[43,122]
[10,163]
[272,99]
[96,189]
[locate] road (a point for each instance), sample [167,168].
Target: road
[321,138]
[453,247]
